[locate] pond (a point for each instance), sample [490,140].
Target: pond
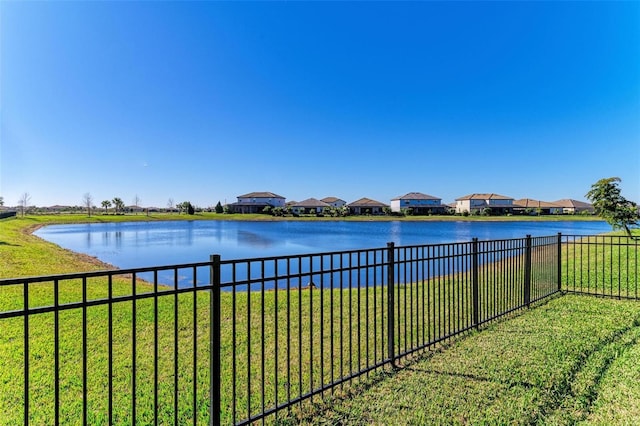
[142,244]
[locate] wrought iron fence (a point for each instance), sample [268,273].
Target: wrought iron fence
[601,265]
[237,341]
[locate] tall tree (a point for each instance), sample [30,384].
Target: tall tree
[136,202]
[170,204]
[219,209]
[186,207]
[607,200]
[118,204]
[106,204]
[87,201]
[23,202]
[1,201]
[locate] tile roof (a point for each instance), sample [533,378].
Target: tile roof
[311,203]
[331,199]
[416,196]
[569,203]
[260,195]
[529,203]
[484,197]
[366,202]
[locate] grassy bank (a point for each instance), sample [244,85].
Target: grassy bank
[28,255]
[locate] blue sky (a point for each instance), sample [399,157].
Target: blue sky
[205,101]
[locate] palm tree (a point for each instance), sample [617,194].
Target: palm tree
[106,204]
[118,204]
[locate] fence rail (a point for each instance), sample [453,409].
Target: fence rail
[252,339]
[601,265]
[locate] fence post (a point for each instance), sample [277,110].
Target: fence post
[559,261]
[391,303]
[527,271]
[474,283]
[214,342]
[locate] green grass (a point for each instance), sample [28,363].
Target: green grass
[570,360]
[590,266]
[310,340]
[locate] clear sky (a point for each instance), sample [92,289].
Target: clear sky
[205,101]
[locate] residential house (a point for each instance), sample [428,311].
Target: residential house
[499,204]
[418,202]
[334,201]
[530,206]
[309,206]
[255,202]
[59,209]
[574,207]
[366,206]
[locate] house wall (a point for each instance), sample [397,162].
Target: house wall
[463,205]
[365,210]
[275,202]
[501,203]
[307,210]
[398,205]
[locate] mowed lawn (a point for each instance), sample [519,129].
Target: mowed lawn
[575,359]
[570,360]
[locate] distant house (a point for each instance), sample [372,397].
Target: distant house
[366,206]
[58,208]
[255,202]
[526,205]
[499,204]
[309,206]
[334,201]
[574,206]
[419,203]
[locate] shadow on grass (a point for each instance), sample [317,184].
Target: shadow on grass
[2,243]
[311,411]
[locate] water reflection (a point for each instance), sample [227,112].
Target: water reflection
[134,245]
[251,239]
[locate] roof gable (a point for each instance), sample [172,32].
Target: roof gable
[416,196]
[366,202]
[529,203]
[261,195]
[311,203]
[490,196]
[569,203]
[331,199]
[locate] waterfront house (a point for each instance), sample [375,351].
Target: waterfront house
[530,206]
[366,206]
[334,201]
[499,204]
[570,206]
[255,202]
[309,206]
[418,202]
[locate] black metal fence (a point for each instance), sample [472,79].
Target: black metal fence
[601,265]
[253,339]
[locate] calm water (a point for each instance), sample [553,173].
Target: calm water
[141,244]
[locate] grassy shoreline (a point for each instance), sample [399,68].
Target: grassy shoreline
[24,254]
[151,217]
[545,368]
